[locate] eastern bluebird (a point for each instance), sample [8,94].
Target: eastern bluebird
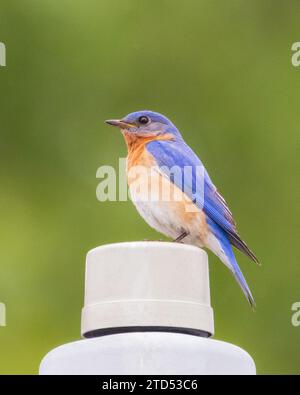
[198,214]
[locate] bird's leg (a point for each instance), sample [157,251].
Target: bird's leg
[181,237]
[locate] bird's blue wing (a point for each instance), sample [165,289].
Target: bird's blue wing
[198,186]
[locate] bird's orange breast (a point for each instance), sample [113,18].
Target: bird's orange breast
[136,146]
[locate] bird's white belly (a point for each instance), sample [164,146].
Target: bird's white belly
[169,213]
[159,217]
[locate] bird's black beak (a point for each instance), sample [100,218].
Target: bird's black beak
[119,123]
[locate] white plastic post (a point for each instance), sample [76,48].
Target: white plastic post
[147,311]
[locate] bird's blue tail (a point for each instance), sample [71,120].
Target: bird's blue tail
[238,273]
[227,256]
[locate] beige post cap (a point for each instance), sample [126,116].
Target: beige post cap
[147,286]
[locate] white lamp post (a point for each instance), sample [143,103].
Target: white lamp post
[147,311]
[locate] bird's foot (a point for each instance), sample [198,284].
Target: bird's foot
[181,237]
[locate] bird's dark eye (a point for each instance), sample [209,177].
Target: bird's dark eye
[144,120]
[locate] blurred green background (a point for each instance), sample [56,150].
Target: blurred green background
[221,70]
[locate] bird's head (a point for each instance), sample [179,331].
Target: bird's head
[146,124]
